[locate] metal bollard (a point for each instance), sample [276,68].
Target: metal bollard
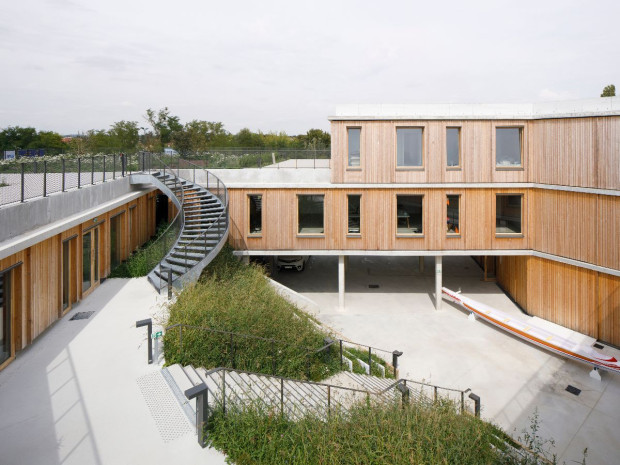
[395,356]
[404,390]
[476,400]
[201,394]
[149,324]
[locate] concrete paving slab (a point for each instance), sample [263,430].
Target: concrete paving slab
[512,377]
[74,395]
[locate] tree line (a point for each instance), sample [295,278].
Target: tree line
[162,130]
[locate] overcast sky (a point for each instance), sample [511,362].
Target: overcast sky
[74,65]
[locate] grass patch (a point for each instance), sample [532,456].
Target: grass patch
[234,297]
[142,261]
[363,356]
[367,434]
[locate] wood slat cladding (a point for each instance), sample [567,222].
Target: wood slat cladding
[37,283]
[378,220]
[608,237]
[609,308]
[378,153]
[579,152]
[583,300]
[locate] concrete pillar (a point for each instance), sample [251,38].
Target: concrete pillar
[421,264]
[245,259]
[341,281]
[438,282]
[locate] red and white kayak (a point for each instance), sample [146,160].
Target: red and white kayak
[534,334]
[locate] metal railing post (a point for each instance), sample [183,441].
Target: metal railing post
[45,178]
[404,390]
[395,356]
[462,402]
[149,324]
[104,157]
[92,170]
[22,181]
[181,341]
[341,360]
[63,174]
[169,283]
[435,393]
[201,394]
[113,166]
[369,360]
[232,350]
[476,400]
[79,172]
[282,396]
[329,400]
[224,392]
[273,357]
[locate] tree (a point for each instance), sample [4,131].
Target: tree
[164,125]
[124,135]
[609,91]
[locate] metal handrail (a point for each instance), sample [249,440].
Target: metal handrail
[42,177]
[180,216]
[202,238]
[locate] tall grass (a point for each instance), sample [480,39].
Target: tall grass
[141,262]
[234,297]
[367,434]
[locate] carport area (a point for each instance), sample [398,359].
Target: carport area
[390,304]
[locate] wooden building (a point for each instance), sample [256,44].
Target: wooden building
[532,189]
[46,270]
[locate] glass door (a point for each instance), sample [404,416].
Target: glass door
[5,316]
[90,259]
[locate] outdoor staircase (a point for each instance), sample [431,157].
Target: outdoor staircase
[204,230]
[293,398]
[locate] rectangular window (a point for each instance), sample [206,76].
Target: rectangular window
[310,214]
[354,135]
[508,214]
[256,214]
[354,214]
[453,147]
[453,213]
[508,147]
[409,147]
[409,214]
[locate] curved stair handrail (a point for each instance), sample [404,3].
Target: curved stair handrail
[198,231]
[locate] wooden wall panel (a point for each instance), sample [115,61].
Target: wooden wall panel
[512,277]
[378,220]
[564,294]
[607,151]
[609,308]
[608,237]
[45,283]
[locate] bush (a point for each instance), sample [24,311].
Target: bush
[424,434]
[233,297]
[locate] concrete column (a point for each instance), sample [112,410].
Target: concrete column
[421,264]
[245,259]
[438,282]
[341,281]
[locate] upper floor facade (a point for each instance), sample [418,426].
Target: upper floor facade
[573,144]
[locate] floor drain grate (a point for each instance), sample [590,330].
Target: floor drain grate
[373,286]
[82,316]
[598,346]
[573,390]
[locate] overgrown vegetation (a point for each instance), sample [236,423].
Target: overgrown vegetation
[142,261]
[420,433]
[363,356]
[233,297]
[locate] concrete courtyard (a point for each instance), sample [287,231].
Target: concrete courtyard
[444,347]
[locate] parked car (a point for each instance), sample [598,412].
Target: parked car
[296,262]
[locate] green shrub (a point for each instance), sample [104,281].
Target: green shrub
[234,297]
[367,434]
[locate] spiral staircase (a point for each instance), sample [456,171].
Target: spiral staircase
[200,227]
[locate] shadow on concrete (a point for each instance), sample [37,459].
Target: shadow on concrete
[44,419]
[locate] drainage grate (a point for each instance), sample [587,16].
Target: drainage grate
[81,316]
[373,286]
[598,346]
[573,390]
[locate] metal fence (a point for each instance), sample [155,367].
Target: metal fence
[28,178]
[235,158]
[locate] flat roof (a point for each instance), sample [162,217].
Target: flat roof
[602,106]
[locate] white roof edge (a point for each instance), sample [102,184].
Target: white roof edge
[602,106]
